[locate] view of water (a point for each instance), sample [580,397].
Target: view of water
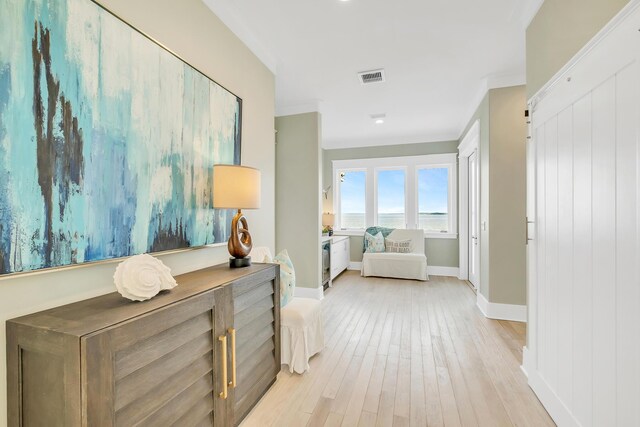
[431,223]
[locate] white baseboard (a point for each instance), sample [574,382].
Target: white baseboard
[551,402]
[442,271]
[524,371]
[353,265]
[526,361]
[492,310]
[315,293]
[549,399]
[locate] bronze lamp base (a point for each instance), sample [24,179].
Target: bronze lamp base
[240,243]
[239,262]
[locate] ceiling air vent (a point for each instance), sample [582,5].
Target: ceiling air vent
[373,76]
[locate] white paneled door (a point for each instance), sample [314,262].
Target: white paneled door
[583,352]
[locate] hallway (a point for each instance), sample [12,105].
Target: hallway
[402,353]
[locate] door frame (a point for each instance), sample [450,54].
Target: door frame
[529,355]
[470,144]
[474,246]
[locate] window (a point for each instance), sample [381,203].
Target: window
[433,199]
[398,192]
[391,203]
[352,199]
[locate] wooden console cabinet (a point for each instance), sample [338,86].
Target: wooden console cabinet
[202,354]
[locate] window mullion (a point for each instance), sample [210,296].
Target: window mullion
[411,195]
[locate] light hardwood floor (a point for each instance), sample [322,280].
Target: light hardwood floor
[406,353]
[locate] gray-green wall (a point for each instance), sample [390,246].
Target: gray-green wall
[298,193]
[559,30]
[502,154]
[507,195]
[440,252]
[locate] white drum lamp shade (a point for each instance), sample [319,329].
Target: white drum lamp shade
[236,187]
[328,219]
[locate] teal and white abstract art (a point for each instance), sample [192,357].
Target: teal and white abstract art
[107,140]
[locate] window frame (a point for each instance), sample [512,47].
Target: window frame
[411,165]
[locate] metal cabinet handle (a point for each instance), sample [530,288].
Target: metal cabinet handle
[232,332]
[223,349]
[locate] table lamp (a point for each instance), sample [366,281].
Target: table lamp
[328,221]
[237,187]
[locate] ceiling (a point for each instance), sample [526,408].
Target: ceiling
[439,56]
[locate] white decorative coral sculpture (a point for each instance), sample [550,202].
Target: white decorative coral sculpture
[142,277]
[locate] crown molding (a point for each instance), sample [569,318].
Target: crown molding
[486,84]
[301,108]
[229,18]
[529,11]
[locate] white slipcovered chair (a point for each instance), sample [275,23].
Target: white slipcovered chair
[398,265]
[301,325]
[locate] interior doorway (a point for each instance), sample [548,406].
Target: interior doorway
[469,203]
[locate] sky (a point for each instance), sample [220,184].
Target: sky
[391,191]
[352,192]
[432,191]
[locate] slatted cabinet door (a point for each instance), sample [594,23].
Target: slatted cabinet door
[256,302]
[223,327]
[163,368]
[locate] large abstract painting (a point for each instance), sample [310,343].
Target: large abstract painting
[107,140]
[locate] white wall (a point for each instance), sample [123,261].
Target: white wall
[188,28]
[584,288]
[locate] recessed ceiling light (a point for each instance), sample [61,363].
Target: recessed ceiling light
[378,118]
